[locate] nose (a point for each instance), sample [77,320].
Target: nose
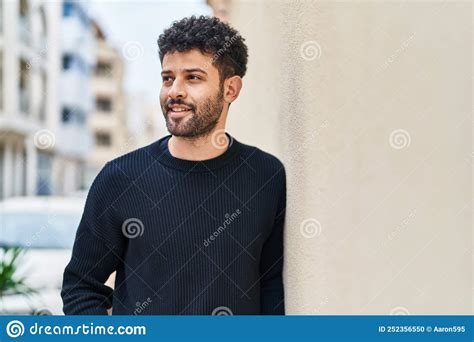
[177,90]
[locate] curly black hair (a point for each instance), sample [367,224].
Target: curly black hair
[211,36]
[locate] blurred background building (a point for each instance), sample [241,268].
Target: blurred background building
[108,122]
[63,108]
[29,70]
[78,60]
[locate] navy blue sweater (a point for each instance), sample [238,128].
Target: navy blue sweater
[185,237]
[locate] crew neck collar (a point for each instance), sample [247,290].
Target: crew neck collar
[160,149]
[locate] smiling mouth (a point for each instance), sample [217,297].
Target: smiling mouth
[178,112]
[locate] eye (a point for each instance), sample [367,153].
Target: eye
[166,79]
[194,77]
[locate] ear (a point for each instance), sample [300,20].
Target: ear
[232,87]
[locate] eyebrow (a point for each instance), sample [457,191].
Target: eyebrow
[185,70]
[195,70]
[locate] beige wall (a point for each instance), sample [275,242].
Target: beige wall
[369,105]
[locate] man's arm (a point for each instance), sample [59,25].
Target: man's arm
[272,294]
[99,241]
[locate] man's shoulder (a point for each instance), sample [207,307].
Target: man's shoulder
[129,165]
[141,154]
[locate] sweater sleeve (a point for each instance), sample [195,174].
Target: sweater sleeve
[271,263]
[98,244]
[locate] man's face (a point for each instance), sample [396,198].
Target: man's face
[191,95]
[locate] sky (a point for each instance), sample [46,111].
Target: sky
[133,27]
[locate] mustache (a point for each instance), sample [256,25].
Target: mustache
[171,102]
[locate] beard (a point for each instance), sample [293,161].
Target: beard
[200,122]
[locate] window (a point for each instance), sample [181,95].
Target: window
[71,61]
[103,139]
[44,90]
[24,87]
[43,31]
[43,181]
[73,115]
[24,74]
[66,114]
[103,104]
[24,8]
[1,20]
[68,9]
[103,69]
[71,9]
[24,21]
[43,27]
[67,62]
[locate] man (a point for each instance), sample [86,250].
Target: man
[192,223]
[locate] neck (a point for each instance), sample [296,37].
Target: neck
[200,148]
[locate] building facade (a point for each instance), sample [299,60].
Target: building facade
[108,122]
[28,99]
[46,58]
[74,140]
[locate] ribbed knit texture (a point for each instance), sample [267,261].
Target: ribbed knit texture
[185,237]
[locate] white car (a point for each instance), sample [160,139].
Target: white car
[45,227]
